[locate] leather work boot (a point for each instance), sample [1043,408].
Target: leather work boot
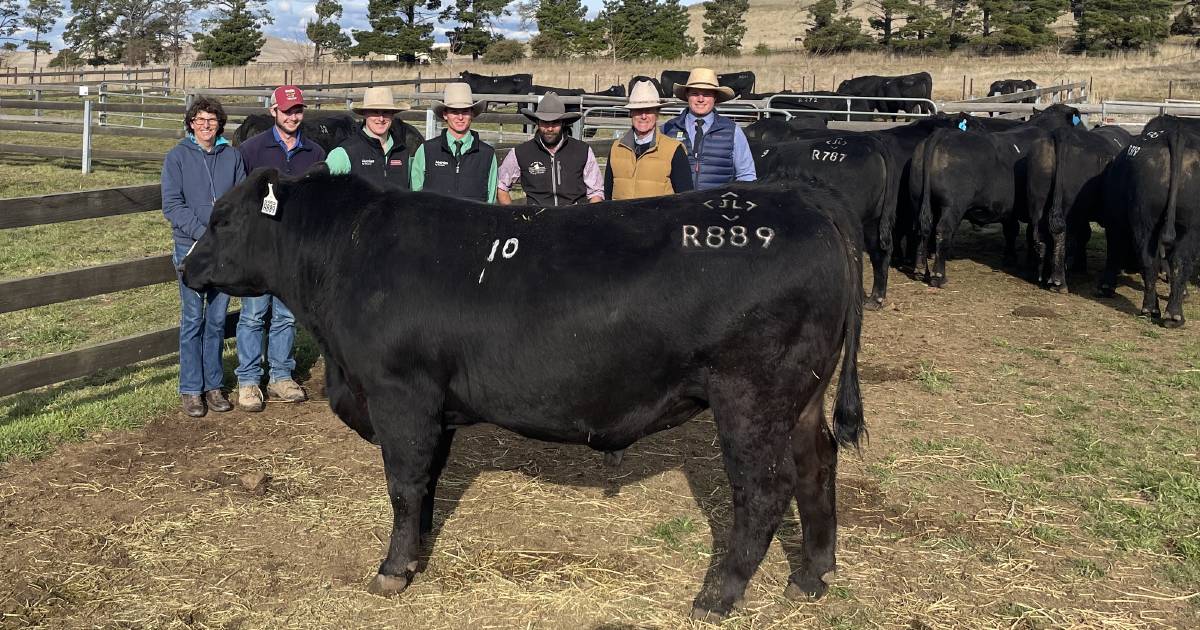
[193,405]
[250,398]
[217,401]
[286,391]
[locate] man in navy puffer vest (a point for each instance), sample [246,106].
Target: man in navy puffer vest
[718,151]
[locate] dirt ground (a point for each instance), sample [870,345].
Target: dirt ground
[176,526]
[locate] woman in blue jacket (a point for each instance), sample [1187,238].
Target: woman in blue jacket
[196,172]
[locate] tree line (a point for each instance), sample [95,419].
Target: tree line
[930,26]
[230,32]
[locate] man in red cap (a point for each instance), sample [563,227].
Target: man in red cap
[283,148]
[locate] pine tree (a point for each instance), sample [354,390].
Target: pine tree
[563,30]
[1184,23]
[398,27]
[640,29]
[1014,25]
[724,26]
[473,34]
[326,33]
[41,16]
[10,19]
[884,16]
[88,33]
[235,32]
[176,28]
[832,34]
[139,29]
[1123,24]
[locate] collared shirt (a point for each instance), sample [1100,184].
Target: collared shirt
[510,172]
[339,162]
[416,171]
[743,159]
[288,153]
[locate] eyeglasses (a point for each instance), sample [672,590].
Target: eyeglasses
[204,122]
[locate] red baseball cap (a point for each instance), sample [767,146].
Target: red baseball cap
[286,97]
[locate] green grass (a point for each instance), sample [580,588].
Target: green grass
[32,422]
[933,380]
[674,533]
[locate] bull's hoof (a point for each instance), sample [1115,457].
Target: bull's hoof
[613,459]
[1057,286]
[700,613]
[388,585]
[1149,313]
[1105,291]
[1173,321]
[937,281]
[873,303]
[808,589]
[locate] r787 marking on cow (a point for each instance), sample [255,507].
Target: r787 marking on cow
[602,332]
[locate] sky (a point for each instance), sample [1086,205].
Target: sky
[292,15]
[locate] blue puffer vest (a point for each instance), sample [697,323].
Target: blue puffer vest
[716,151]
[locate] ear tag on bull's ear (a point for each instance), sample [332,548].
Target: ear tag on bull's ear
[962,125]
[1075,120]
[270,204]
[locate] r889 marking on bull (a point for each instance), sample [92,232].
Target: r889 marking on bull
[827,156]
[717,236]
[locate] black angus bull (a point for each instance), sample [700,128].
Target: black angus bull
[836,160]
[327,129]
[1008,183]
[1152,208]
[1081,160]
[775,130]
[503,84]
[596,326]
[1012,86]
[657,85]
[742,83]
[908,86]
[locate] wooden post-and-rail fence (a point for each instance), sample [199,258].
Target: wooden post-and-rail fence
[52,288]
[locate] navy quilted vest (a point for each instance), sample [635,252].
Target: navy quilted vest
[714,167]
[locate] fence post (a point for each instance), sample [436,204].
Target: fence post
[429,123]
[87,137]
[37,96]
[103,99]
[418,85]
[1170,88]
[964,88]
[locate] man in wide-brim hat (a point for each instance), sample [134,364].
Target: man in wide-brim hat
[377,152]
[554,169]
[456,162]
[718,151]
[644,162]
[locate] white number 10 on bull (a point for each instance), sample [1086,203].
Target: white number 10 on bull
[716,236]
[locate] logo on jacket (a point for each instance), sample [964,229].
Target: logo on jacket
[395,162]
[368,162]
[441,163]
[536,168]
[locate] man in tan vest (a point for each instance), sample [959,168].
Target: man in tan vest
[644,162]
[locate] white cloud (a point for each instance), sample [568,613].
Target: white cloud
[284,6]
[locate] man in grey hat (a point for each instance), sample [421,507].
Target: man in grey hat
[553,168]
[456,163]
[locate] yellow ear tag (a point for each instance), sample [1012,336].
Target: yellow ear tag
[270,204]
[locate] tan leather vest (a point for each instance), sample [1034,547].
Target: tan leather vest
[647,176]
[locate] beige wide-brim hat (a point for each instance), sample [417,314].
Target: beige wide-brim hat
[458,96]
[550,109]
[379,98]
[643,96]
[703,79]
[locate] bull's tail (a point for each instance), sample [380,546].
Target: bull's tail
[848,424]
[1175,145]
[1056,221]
[925,209]
[890,199]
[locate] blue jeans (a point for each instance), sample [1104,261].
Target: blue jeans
[201,334]
[279,341]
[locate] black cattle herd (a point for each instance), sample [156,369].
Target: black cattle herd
[605,323]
